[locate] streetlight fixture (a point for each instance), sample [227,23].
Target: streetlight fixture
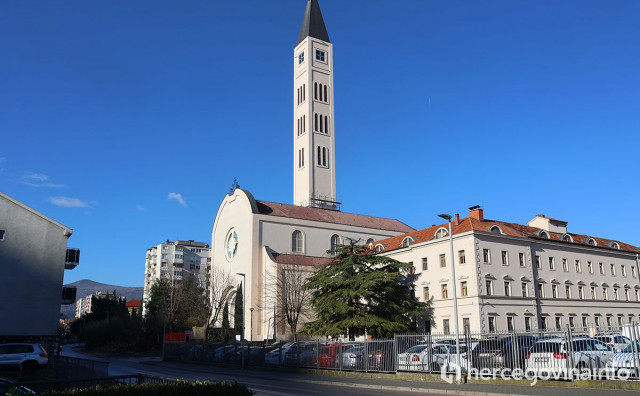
[244,293]
[455,295]
[251,328]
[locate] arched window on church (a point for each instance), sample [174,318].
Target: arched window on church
[335,243]
[297,242]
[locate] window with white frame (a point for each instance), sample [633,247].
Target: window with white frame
[593,293]
[565,265]
[623,271]
[492,324]
[489,286]
[445,326]
[486,255]
[567,291]
[538,262]
[320,55]
[443,291]
[590,267]
[443,261]
[578,266]
[461,257]
[552,264]
[613,269]
[605,294]
[510,323]
[507,288]
[554,291]
[581,292]
[464,291]
[521,259]
[505,257]
[525,289]
[540,290]
[301,58]
[297,241]
[601,268]
[335,243]
[425,264]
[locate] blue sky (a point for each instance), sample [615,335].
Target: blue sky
[108,108]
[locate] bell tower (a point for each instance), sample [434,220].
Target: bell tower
[314,175]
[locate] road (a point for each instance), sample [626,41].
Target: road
[291,383]
[261,382]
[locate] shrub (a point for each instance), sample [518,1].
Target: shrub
[179,388]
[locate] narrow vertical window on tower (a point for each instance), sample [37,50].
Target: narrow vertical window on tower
[326,97]
[315,122]
[324,156]
[300,58]
[319,156]
[304,123]
[303,156]
[321,124]
[326,124]
[315,91]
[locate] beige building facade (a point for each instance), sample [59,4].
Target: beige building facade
[520,277]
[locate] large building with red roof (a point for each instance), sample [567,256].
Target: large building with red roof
[511,276]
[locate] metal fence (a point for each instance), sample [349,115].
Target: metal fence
[568,353]
[77,368]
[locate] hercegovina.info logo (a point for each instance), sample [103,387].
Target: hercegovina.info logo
[457,374]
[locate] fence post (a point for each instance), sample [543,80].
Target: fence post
[340,356]
[365,356]
[395,353]
[318,354]
[515,351]
[569,348]
[634,348]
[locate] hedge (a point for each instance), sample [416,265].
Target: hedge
[167,389]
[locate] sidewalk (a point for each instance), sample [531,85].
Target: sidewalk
[429,386]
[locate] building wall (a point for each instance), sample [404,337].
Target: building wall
[478,306]
[31,275]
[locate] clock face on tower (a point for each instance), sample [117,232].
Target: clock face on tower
[232,245]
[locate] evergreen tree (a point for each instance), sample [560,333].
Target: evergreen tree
[238,313]
[226,326]
[360,291]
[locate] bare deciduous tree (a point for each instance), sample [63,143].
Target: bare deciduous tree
[220,288]
[291,300]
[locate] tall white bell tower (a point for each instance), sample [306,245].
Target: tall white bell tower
[314,180]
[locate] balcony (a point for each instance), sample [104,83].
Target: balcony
[72,259]
[69,295]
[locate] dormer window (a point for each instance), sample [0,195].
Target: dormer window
[567,238]
[496,230]
[592,242]
[615,245]
[544,235]
[441,233]
[301,58]
[369,241]
[407,241]
[379,248]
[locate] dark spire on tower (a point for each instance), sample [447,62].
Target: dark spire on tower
[313,24]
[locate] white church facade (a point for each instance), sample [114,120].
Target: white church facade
[252,237]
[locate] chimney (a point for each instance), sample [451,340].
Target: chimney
[476,212]
[457,217]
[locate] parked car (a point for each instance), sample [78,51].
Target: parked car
[327,355]
[554,356]
[617,342]
[626,362]
[352,357]
[273,356]
[380,356]
[27,356]
[300,354]
[502,352]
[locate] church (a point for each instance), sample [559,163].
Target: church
[253,237]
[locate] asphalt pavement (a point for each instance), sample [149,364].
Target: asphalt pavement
[289,382]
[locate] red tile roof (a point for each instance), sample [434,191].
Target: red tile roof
[511,229]
[331,216]
[297,259]
[134,303]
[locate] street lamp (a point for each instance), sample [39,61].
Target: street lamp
[251,328]
[244,294]
[455,295]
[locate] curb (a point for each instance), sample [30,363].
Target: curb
[410,389]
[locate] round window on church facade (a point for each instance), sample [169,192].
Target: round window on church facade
[231,245]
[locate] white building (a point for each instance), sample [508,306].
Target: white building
[85,305]
[512,276]
[176,261]
[33,257]
[253,237]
